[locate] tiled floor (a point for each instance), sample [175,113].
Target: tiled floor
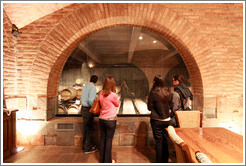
[72,154]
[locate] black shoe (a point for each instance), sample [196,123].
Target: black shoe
[93,149]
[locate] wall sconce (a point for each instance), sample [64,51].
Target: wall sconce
[15,30]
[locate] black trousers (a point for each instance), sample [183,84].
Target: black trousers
[88,122]
[174,121]
[107,129]
[160,135]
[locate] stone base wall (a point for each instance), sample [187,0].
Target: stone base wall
[130,131]
[231,121]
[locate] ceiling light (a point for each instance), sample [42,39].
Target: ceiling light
[90,65]
[140,37]
[154,41]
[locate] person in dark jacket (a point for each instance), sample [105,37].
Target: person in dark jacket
[180,97]
[159,104]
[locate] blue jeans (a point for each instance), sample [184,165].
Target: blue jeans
[160,135]
[107,129]
[88,122]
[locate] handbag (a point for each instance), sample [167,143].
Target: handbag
[95,109]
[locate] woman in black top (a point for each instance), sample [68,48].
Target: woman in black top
[159,104]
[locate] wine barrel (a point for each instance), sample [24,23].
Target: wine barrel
[78,81]
[68,93]
[73,109]
[78,93]
[61,109]
[59,102]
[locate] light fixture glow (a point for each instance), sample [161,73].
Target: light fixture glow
[90,65]
[140,37]
[154,41]
[20,149]
[28,128]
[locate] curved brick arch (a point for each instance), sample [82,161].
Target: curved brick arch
[92,17]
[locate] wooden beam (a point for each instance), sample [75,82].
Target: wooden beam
[133,42]
[75,56]
[172,53]
[89,53]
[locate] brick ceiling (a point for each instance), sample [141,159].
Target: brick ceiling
[145,52]
[22,14]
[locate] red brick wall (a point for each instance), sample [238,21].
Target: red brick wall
[221,26]
[208,36]
[9,58]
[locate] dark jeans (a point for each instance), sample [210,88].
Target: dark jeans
[160,135]
[107,129]
[88,122]
[174,121]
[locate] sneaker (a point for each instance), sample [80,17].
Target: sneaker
[170,160]
[93,149]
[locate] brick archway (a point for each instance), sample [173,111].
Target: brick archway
[66,35]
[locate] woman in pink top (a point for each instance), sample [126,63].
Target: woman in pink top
[107,119]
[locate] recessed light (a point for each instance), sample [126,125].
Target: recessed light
[90,65]
[140,37]
[154,41]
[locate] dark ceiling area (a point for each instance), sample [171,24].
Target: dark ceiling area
[122,45]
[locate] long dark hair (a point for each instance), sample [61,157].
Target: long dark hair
[158,82]
[108,86]
[159,88]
